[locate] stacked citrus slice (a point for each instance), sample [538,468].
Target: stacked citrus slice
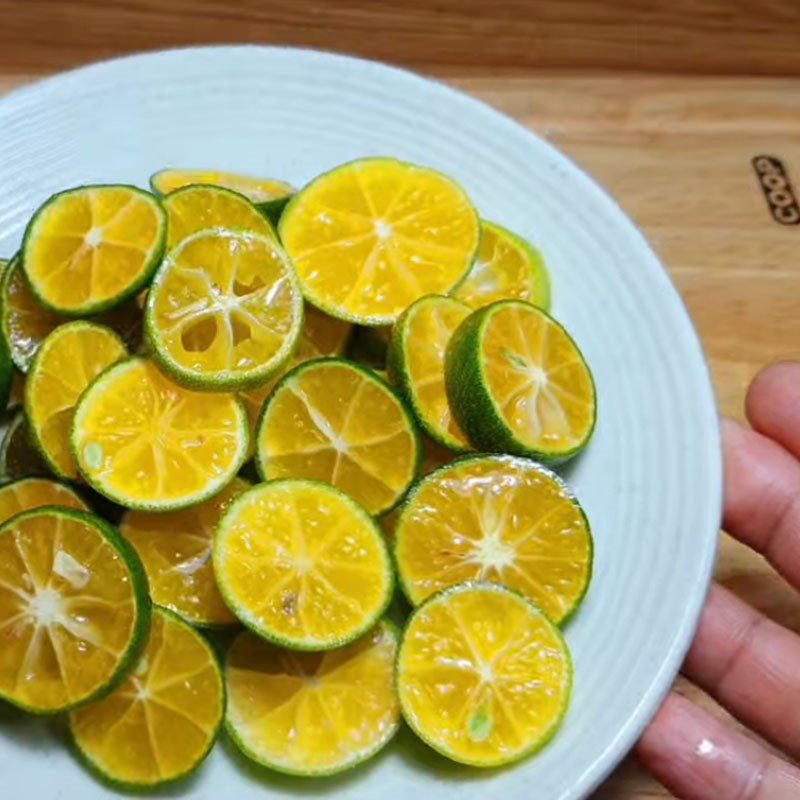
[333,421]
[162,721]
[224,311]
[151,344]
[73,609]
[69,359]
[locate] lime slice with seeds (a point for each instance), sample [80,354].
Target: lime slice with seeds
[302,564]
[482,675]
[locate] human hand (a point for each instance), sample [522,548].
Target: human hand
[748,663]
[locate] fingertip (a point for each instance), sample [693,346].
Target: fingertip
[772,404]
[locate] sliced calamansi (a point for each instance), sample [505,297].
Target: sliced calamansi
[67,361]
[482,675]
[224,310]
[321,336]
[29,493]
[162,721]
[507,267]
[147,443]
[416,364]
[312,713]
[257,190]
[495,518]
[331,420]
[91,248]
[372,236]
[175,549]
[74,610]
[25,322]
[197,208]
[302,564]
[517,383]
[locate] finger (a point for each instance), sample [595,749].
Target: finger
[773,404]
[762,498]
[751,665]
[697,757]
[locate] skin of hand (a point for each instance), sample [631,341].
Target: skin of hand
[748,663]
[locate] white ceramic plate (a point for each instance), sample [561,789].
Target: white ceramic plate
[650,480]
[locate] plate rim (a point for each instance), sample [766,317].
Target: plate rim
[617,748]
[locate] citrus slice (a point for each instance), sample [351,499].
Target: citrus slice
[416,364]
[25,323]
[507,268]
[18,457]
[74,611]
[312,713]
[500,519]
[30,493]
[91,248]
[224,310]
[302,564]
[321,336]
[67,361]
[163,720]
[331,420]
[147,443]
[372,236]
[257,190]
[517,383]
[196,208]
[175,549]
[482,675]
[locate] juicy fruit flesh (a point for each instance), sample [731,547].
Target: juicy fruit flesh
[503,270]
[145,440]
[175,549]
[162,719]
[428,332]
[73,357]
[90,244]
[538,379]
[258,190]
[321,336]
[225,304]
[301,563]
[483,676]
[27,323]
[498,519]
[197,208]
[67,611]
[371,237]
[330,422]
[312,713]
[33,493]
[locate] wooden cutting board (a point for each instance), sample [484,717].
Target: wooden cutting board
[677,154]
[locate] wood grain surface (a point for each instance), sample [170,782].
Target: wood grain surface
[676,152]
[698,36]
